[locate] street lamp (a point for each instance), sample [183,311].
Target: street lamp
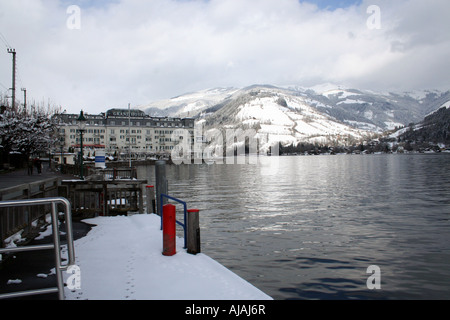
[81,128]
[61,146]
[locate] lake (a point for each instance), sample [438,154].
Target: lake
[309,227]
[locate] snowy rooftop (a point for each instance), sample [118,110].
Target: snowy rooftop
[121,258]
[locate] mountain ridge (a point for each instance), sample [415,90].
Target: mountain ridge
[325,114]
[435,129]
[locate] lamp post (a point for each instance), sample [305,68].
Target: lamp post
[81,128]
[61,146]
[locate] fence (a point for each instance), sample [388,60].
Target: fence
[15,219]
[117,174]
[107,174]
[104,198]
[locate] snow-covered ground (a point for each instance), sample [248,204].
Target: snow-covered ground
[121,258]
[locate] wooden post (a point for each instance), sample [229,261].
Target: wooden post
[151,206]
[161,184]
[193,231]
[105,200]
[141,200]
[63,192]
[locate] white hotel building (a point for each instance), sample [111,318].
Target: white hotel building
[122,132]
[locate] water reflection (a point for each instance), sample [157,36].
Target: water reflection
[311,229]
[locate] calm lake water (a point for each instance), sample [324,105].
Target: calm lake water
[308,227]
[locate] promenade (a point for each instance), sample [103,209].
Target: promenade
[19,177]
[121,259]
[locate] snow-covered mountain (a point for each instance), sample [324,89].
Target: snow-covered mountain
[190,104]
[277,115]
[327,114]
[376,111]
[435,128]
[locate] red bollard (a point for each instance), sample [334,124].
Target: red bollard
[169,230]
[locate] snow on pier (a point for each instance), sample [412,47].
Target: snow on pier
[121,259]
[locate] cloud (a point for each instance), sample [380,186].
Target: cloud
[139,51]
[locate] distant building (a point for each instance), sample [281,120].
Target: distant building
[122,132]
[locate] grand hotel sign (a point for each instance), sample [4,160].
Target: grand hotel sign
[126,113]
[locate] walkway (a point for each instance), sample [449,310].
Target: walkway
[18,177]
[121,259]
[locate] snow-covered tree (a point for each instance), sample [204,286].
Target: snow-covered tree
[26,131]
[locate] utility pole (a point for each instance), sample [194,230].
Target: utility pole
[25,99]
[13,52]
[129,132]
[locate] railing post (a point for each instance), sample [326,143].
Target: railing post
[169,230]
[42,190]
[161,184]
[193,231]
[27,211]
[56,241]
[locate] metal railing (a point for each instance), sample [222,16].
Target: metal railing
[56,243]
[178,222]
[20,218]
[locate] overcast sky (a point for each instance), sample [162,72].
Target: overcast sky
[117,52]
